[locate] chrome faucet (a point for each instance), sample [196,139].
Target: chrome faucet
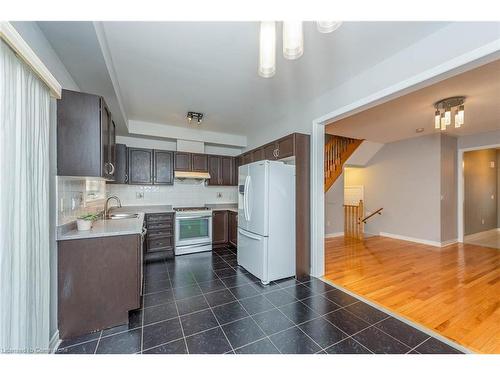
[106,205]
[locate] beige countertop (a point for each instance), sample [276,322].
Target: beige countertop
[223,207]
[104,228]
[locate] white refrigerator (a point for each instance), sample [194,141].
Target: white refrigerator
[266,219]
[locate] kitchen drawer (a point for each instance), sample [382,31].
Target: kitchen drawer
[160,243]
[159,225]
[152,218]
[164,232]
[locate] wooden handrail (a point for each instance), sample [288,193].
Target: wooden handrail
[379,211]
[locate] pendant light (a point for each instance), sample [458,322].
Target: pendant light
[442,115]
[459,116]
[293,40]
[267,49]
[325,27]
[437,120]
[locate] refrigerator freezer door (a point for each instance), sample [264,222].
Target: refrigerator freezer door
[252,254]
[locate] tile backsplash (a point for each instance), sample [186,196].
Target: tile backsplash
[182,193]
[77,196]
[80,195]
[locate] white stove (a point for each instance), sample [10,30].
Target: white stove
[193,230]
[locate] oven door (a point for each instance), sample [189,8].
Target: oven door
[194,230]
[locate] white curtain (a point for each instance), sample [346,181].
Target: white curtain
[24,207]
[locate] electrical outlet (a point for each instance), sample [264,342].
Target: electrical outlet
[482,221]
[139,195]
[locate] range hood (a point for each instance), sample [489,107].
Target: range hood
[191,175]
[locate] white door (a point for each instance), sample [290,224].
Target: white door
[252,254]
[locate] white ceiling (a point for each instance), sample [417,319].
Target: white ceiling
[399,118]
[164,69]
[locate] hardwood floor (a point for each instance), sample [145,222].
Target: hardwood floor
[454,290]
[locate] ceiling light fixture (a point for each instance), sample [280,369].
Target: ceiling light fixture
[194,115]
[326,27]
[293,40]
[267,49]
[442,115]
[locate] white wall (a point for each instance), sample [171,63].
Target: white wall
[334,208]
[449,188]
[428,53]
[404,179]
[479,140]
[40,45]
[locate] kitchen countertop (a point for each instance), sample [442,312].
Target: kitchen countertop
[105,228]
[121,227]
[223,207]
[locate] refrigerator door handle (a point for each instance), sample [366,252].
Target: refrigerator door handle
[246,234]
[249,207]
[245,198]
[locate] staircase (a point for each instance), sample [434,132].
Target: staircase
[337,151]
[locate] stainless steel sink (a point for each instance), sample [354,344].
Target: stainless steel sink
[122,216]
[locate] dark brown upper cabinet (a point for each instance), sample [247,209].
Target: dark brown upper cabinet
[121,171]
[199,163]
[258,154]
[219,227]
[285,146]
[270,151]
[140,166]
[214,169]
[85,136]
[237,163]
[163,167]
[279,149]
[183,161]
[226,171]
[221,170]
[146,166]
[247,158]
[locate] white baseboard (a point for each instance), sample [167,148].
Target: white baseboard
[334,234]
[54,342]
[418,240]
[449,242]
[480,234]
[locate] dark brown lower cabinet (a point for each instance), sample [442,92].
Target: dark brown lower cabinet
[99,282]
[233,228]
[219,228]
[160,236]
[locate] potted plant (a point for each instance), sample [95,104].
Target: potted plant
[84,222]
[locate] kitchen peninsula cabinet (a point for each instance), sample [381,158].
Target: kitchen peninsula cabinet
[99,282]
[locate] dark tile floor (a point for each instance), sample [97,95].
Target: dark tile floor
[205,303]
